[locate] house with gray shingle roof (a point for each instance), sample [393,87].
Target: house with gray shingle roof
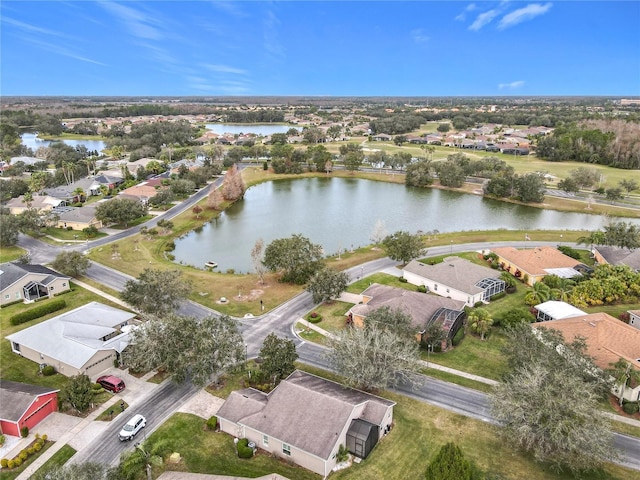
[423,309]
[617,256]
[306,418]
[456,278]
[85,340]
[28,283]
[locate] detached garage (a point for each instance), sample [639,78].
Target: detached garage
[23,405]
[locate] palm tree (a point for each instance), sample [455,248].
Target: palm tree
[480,321]
[562,290]
[79,192]
[539,294]
[508,279]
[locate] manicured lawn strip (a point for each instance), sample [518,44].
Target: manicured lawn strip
[310,335]
[58,459]
[8,254]
[13,473]
[475,356]
[19,369]
[204,451]
[508,302]
[381,278]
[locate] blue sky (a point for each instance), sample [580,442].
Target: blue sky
[360,48]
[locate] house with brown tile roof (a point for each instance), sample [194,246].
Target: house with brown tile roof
[306,418]
[608,340]
[533,264]
[456,278]
[423,308]
[141,192]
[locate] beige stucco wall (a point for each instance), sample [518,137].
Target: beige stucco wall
[15,291]
[442,290]
[79,225]
[98,363]
[531,278]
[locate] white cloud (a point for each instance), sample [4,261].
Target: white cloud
[271,44]
[232,8]
[419,36]
[484,19]
[137,22]
[224,69]
[462,16]
[523,14]
[61,50]
[27,27]
[511,86]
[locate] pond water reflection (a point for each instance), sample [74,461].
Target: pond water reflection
[340,213]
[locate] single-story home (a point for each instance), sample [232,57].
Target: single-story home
[533,264]
[85,340]
[608,340]
[23,405]
[27,161]
[306,418]
[382,137]
[77,218]
[27,282]
[634,318]
[424,309]
[617,256]
[42,203]
[456,278]
[555,310]
[142,192]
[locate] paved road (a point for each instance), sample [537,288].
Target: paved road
[160,405]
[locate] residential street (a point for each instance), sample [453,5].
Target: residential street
[167,399]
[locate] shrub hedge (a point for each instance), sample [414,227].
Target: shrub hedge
[630,408]
[243,448]
[212,423]
[48,371]
[38,311]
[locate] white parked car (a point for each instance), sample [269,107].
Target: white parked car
[133,426]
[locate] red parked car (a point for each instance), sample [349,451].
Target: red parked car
[111,383]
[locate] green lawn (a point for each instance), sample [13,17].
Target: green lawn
[64,234]
[475,356]
[333,315]
[8,254]
[58,459]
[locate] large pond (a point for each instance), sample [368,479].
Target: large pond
[32,141]
[235,129]
[340,213]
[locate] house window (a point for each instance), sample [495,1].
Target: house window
[265,440]
[64,284]
[286,449]
[435,287]
[17,295]
[16,347]
[7,296]
[447,290]
[51,288]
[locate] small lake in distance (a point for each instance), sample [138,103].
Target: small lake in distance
[32,141]
[261,129]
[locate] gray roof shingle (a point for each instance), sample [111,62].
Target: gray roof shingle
[454,272]
[11,272]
